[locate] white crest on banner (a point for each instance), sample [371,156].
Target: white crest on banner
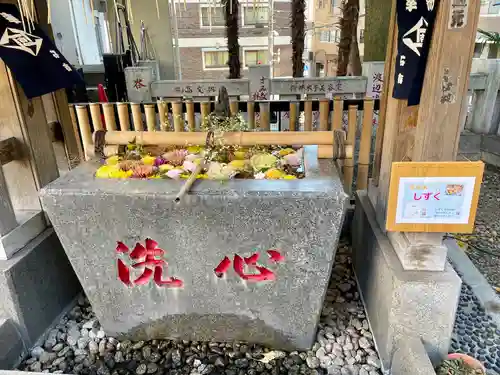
[430,5]
[9,17]
[411,5]
[419,31]
[21,40]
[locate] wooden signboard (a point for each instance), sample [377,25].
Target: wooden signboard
[434,196]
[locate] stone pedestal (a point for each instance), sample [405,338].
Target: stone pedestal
[237,221]
[400,303]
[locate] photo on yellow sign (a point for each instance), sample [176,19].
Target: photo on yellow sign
[434,196]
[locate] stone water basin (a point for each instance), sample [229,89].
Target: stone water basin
[243,260]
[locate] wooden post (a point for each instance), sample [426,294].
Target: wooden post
[149,110]
[109,115]
[264,115]
[73,160]
[365,145]
[190,116]
[352,121]
[178,118]
[137,116]
[324,113]
[308,115]
[431,131]
[251,114]
[95,114]
[233,106]
[293,116]
[484,106]
[8,219]
[338,109]
[123,116]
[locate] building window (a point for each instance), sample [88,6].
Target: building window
[214,14]
[362,35]
[215,59]
[255,57]
[255,15]
[329,36]
[478,49]
[335,3]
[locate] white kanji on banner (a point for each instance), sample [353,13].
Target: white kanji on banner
[411,5]
[430,4]
[400,78]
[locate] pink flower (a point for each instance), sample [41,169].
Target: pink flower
[292,159]
[189,165]
[175,173]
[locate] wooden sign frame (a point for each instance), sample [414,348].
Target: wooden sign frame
[469,173]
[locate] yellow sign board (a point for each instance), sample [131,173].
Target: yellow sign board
[434,196]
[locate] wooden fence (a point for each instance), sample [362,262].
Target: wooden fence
[171,123]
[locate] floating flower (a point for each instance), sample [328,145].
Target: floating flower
[175,173]
[192,157]
[148,160]
[104,171]
[240,154]
[260,176]
[165,167]
[220,171]
[189,166]
[202,176]
[263,161]
[143,171]
[289,177]
[292,159]
[286,151]
[113,160]
[154,176]
[194,149]
[159,161]
[175,157]
[239,165]
[127,165]
[274,174]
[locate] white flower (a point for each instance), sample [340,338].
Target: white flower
[260,176]
[175,173]
[189,165]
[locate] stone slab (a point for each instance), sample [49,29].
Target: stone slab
[138,82]
[199,88]
[301,218]
[319,86]
[470,143]
[410,358]
[11,344]
[36,284]
[491,144]
[400,303]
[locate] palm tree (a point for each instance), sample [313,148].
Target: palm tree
[491,38]
[298,19]
[348,38]
[231,8]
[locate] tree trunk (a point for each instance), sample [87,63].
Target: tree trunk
[298,34]
[348,29]
[354,67]
[233,46]
[377,16]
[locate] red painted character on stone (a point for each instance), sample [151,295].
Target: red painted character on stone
[148,258]
[240,263]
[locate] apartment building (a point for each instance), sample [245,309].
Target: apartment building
[325,34]
[202,43]
[489,20]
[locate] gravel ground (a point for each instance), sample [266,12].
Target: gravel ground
[487,232]
[344,346]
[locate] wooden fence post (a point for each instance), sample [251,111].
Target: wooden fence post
[484,108]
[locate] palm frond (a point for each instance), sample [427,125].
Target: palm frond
[489,36]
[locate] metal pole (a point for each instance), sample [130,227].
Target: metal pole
[176,38]
[270,39]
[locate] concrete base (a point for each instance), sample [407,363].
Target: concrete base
[400,303]
[36,284]
[11,344]
[411,358]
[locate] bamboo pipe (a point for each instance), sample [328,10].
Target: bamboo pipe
[293,116]
[308,115]
[324,112]
[178,120]
[109,115]
[351,139]
[95,114]
[149,110]
[233,106]
[230,138]
[205,112]
[264,116]
[74,123]
[190,115]
[84,125]
[137,116]
[251,114]
[123,116]
[338,109]
[162,114]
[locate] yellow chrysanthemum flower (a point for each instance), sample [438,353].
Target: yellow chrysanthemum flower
[148,160]
[113,160]
[154,176]
[120,174]
[240,154]
[194,149]
[289,177]
[202,176]
[165,167]
[239,164]
[286,151]
[274,174]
